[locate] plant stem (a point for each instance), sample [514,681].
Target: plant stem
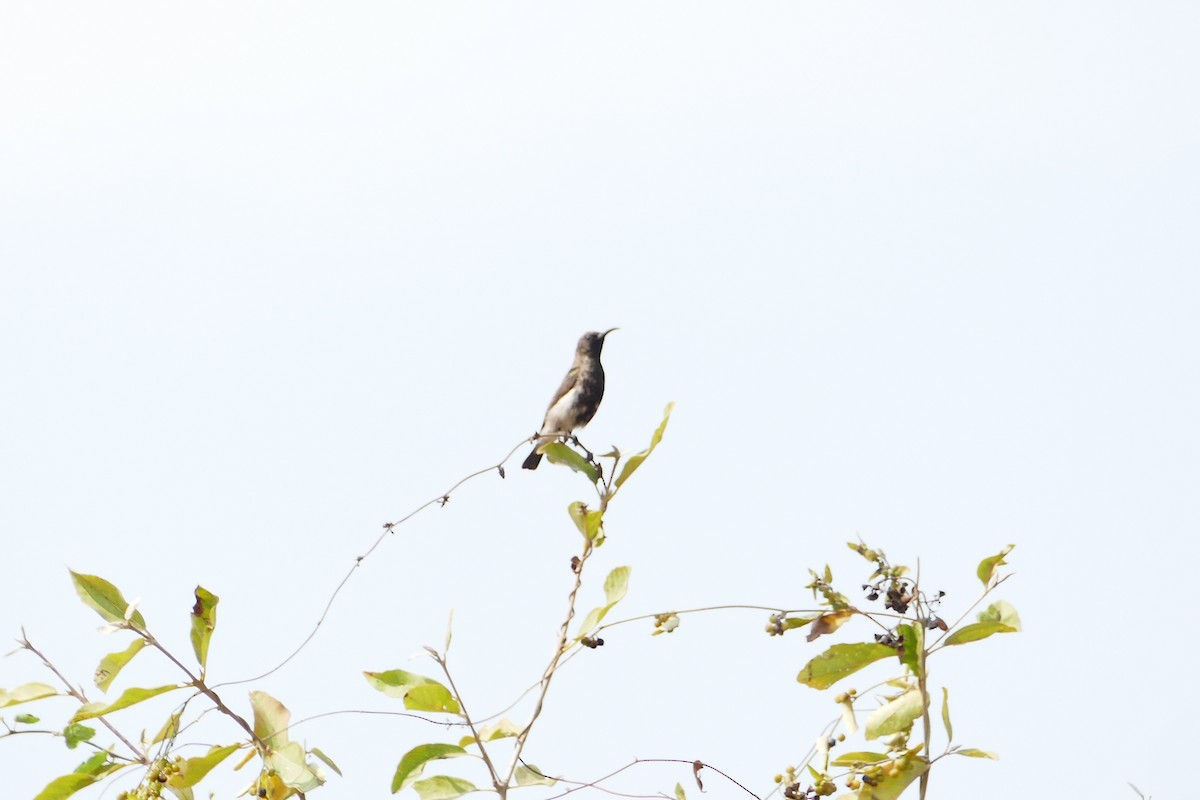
[922,685]
[551,668]
[441,660]
[203,688]
[81,697]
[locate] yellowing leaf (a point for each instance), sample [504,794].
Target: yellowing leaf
[25,693]
[505,728]
[204,621]
[839,661]
[530,775]
[128,698]
[987,568]
[895,715]
[418,692]
[946,714]
[615,587]
[858,757]
[889,788]
[169,729]
[976,631]
[588,522]
[636,460]
[848,720]
[326,760]
[828,623]
[192,770]
[65,785]
[971,752]
[112,664]
[289,763]
[1003,612]
[105,599]
[271,719]
[443,787]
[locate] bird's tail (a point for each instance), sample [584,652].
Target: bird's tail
[533,459]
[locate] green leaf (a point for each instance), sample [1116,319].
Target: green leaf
[859,757]
[971,752]
[588,522]
[94,764]
[946,714]
[679,793]
[105,599]
[891,788]
[443,787]
[27,719]
[271,719]
[326,760]
[128,698]
[289,763]
[112,664]
[790,623]
[25,693]
[914,643]
[987,568]
[413,762]
[894,716]
[530,775]
[169,729]
[431,697]
[976,631]
[615,587]
[419,693]
[76,733]
[192,770]
[1003,612]
[636,460]
[559,453]
[65,785]
[204,621]
[839,661]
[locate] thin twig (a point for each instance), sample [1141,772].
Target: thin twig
[80,696]
[430,720]
[462,705]
[593,784]
[552,667]
[695,764]
[208,692]
[388,528]
[937,645]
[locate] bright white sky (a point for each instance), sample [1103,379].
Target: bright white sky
[920,272]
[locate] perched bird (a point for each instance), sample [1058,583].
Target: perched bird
[578,397]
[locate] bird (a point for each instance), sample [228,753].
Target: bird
[578,397]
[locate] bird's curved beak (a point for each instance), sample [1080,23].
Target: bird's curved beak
[607,332]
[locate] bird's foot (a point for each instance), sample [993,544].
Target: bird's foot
[590,457]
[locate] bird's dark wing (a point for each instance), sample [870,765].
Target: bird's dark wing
[568,383]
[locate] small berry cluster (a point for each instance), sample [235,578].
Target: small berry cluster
[792,790]
[152,785]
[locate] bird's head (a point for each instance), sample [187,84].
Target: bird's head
[591,343]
